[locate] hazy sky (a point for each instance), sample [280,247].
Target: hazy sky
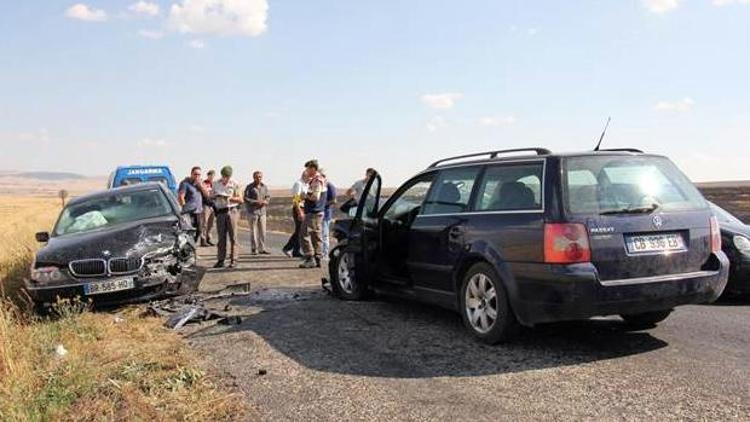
[391,84]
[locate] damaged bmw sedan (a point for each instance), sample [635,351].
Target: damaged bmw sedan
[120,245]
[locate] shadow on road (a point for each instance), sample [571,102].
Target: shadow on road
[407,340]
[732,300]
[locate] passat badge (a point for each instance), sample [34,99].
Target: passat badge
[658,222]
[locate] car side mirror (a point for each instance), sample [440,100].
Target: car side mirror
[42,237]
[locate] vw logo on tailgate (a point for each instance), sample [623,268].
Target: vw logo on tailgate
[658,221]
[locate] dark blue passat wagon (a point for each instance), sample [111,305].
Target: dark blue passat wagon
[521,237]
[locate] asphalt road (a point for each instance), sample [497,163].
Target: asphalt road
[327,359]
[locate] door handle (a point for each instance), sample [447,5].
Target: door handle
[455,232]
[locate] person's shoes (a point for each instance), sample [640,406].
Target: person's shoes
[253,253]
[287,252]
[204,244]
[297,255]
[309,263]
[317,262]
[265,253]
[219,264]
[232,264]
[210,243]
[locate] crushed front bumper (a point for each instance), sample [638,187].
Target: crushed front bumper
[145,288]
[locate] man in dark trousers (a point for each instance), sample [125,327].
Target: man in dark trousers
[190,196]
[328,214]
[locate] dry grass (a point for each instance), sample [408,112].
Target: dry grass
[20,218]
[115,369]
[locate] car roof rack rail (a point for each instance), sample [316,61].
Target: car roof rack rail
[636,150]
[492,154]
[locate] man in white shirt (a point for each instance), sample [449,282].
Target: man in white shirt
[355,192]
[227,198]
[293,246]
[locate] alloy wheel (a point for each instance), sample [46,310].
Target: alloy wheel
[346,273]
[481,303]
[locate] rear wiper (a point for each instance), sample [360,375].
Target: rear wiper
[638,210]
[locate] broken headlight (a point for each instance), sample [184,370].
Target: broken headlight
[47,274]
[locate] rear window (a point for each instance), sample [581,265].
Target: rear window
[130,181]
[597,184]
[159,179]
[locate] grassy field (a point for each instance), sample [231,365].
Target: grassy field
[734,199]
[114,367]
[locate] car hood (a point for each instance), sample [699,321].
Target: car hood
[127,240]
[734,229]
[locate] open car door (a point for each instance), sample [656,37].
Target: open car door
[350,265]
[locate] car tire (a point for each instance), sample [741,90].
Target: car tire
[646,319]
[484,305]
[345,282]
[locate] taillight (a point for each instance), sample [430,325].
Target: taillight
[566,244]
[715,235]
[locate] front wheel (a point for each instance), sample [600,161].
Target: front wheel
[647,319]
[345,279]
[485,308]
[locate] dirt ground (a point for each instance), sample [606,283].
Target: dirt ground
[300,354]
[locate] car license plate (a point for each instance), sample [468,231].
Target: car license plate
[108,286]
[668,242]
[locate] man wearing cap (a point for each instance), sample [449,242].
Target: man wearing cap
[227,198]
[314,208]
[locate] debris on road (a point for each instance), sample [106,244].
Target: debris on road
[192,308]
[231,320]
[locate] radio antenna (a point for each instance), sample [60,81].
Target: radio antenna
[604,132]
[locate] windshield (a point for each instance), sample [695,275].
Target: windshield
[111,210]
[610,184]
[723,216]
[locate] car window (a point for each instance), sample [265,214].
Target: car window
[612,183]
[451,192]
[407,204]
[130,181]
[511,187]
[159,179]
[111,210]
[371,200]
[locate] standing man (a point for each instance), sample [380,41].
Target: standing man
[292,247]
[190,196]
[328,214]
[314,207]
[208,209]
[256,203]
[355,192]
[227,199]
